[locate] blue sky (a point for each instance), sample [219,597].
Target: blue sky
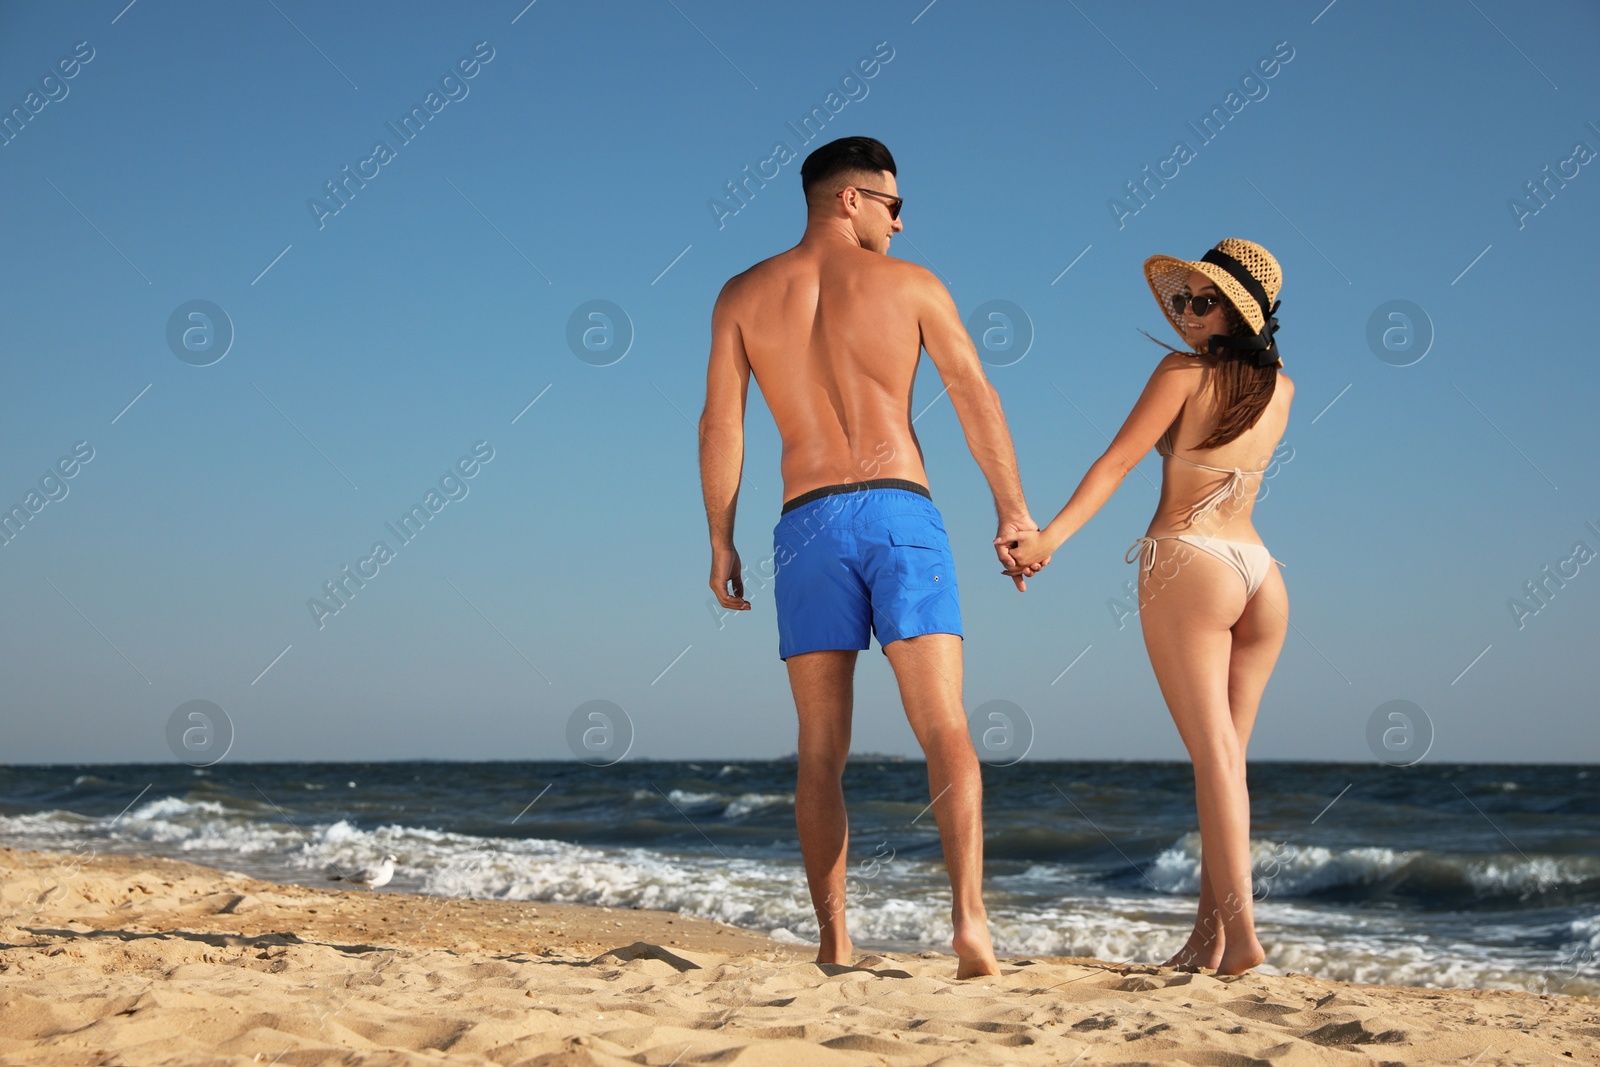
[374,347]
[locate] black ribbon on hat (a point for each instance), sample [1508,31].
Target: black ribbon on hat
[1265,343]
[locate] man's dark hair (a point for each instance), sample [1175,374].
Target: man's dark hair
[847,155]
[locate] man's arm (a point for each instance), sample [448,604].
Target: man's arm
[722,449]
[977,406]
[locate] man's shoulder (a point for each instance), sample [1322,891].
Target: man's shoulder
[875,267]
[753,275]
[733,288]
[895,267]
[906,271]
[901,279]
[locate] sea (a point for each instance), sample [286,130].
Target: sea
[1476,875]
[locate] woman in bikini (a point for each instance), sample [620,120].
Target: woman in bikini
[1213,607]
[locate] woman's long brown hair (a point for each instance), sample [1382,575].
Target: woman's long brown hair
[1243,389]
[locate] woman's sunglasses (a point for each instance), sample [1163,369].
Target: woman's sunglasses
[1202,305]
[893,202]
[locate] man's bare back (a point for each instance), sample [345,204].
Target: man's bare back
[833,335]
[832,330]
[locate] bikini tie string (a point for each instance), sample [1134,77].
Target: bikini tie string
[1234,487]
[1145,547]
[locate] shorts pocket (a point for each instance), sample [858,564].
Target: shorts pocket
[922,559]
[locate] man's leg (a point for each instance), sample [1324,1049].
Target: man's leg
[928,669]
[823,684]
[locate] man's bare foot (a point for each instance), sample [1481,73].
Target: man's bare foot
[974,949]
[842,953]
[1240,955]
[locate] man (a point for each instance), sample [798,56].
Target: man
[833,329]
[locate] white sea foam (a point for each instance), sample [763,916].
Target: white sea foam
[1288,869]
[1281,869]
[63,823]
[174,807]
[746,803]
[1527,877]
[719,805]
[685,798]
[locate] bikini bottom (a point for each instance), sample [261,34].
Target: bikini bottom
[1251,560]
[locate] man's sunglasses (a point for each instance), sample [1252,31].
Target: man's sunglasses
[893,202]
[1202,305]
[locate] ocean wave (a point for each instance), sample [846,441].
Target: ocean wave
[172,823]
[1530,877]
[1282,869]
[719,805]
[1586,931]
[175,807]
[740,892]
[45,829]
[747,803]
[685,798]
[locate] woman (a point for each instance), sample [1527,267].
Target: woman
[1213,608]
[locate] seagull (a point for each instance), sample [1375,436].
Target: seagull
[371,877]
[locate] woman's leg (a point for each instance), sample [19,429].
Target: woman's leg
[1257,639]
[1204,947]
[1188,622]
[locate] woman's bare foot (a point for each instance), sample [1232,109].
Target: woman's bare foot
[1240,955]
[1201,952]
[1196,957]
[974,949]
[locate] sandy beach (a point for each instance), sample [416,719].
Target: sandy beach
[139,960]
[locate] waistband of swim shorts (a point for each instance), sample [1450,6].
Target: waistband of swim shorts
[855,487]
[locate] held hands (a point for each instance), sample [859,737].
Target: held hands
[1030,550]
[1006,541]
[727,578]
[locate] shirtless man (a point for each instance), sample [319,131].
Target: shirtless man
[833,331]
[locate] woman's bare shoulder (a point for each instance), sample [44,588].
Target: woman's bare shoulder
[1179,363]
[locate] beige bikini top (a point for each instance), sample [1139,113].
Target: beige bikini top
[1234,487]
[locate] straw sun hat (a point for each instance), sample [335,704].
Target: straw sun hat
[1248,277]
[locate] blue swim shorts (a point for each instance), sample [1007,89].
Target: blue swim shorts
[862,558]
